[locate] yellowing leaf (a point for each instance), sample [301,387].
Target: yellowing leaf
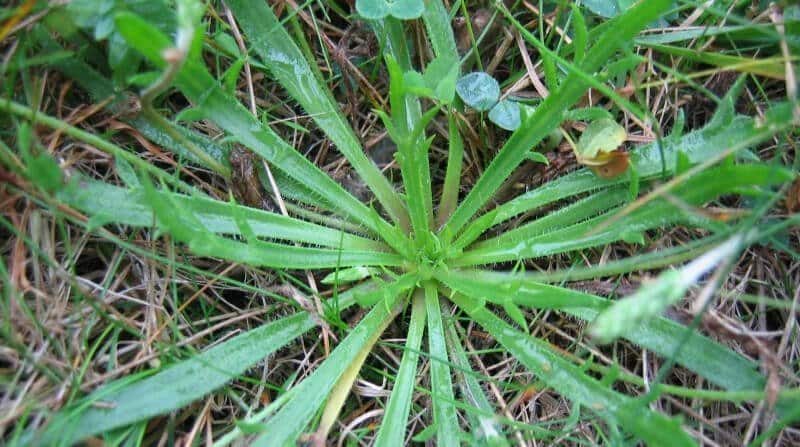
[598,148]
[600,137]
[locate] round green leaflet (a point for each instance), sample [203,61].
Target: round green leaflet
[400,9]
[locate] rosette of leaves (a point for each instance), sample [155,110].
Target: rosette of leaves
[423,259]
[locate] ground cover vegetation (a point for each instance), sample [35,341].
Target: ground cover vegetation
[377,222]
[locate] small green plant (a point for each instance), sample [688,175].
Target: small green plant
[482,92]
[421,256]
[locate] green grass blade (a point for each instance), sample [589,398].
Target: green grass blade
[100,143]
[130,208]
[484,428]
[395,417]
[440,32]
[566,378]
[287,425]
[549,114]
[200,87]
[657,258]
[771,68]
[286,62]
[718,364]
[452,178]
[444,412]
[669,288]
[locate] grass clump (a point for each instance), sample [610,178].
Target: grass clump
[207,245]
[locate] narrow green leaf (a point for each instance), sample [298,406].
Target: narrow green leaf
[185,227]
[440,32]
[444,412]
[126,401]
[549,114]
[660,212]
[485,429]
[288,423]
[132,208]
[286,62]
[580,34]
[654,298]
[395,417]
[570,381]
[452,178]
[198,85]
[716,363]
[741,132]
[349,275]
[768,67]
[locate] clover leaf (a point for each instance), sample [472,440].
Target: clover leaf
[478,90]
[482,92]
[506,115]
[400,9]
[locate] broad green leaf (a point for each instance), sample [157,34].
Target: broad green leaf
[604,8]
[288,423]
[444,412]
[44,172]
[570,381]
[372,9]
[506,115]
[601,136]
[395,417]
[414,83]
[478,90]
[126,173]
[405,9]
